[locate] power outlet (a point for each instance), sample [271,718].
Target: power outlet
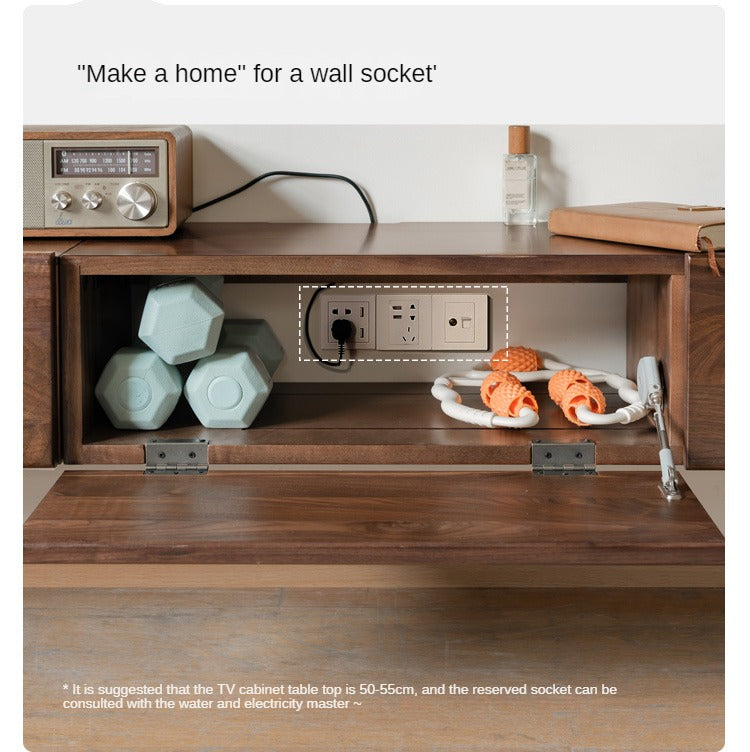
[404,322]
[360,310]
[459,322]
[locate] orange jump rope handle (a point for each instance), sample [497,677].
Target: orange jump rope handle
[501,391]
[516,359]
[491,381]
[508,398]
[582,394]
[559,383]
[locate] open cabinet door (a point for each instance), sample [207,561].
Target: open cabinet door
[108,524]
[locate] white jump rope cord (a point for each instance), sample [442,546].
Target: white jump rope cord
[450,400]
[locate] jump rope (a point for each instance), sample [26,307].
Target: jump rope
[574,390]
[512,405]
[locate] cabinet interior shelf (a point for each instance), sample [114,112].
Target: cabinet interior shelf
[372,423]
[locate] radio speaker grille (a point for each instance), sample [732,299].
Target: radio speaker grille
[33,184]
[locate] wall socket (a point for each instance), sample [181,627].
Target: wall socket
[459,322]
[359,309]
[407,321]
[404,322]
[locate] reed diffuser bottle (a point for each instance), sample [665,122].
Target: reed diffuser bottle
[519,178]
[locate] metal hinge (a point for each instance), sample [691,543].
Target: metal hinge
[550,458]
[177,457]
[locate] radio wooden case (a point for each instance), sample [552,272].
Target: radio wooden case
[118,181]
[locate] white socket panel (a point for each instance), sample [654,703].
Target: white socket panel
[404,322]
[360,310]
[459,322]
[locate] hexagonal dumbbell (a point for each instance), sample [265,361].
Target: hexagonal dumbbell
[228,389]
[181,321]
[137,389]
[214,283]
[256,336]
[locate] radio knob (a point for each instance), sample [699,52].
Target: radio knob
[136,201]
[92,200]
[61,200]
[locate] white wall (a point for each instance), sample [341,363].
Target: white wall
[448,172]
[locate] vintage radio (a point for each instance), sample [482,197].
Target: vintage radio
[106,180]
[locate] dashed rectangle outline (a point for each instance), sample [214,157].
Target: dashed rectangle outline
[300,359]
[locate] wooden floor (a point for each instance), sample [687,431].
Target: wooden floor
[661,648]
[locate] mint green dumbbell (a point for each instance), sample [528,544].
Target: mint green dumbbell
[181,321]
[228,389]
[256,336]
[214,283]
[137,389]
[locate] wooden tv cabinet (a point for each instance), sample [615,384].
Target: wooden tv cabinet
[427,553]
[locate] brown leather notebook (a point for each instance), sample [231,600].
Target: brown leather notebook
[660,225]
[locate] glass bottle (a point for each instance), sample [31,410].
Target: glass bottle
[519,179]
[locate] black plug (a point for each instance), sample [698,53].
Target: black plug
[342,330]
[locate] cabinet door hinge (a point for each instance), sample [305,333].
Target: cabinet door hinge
[551,458]
[176,457]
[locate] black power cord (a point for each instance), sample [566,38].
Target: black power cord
[322,176]
[292,174]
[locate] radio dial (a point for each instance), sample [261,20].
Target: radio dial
[61,200]
[92,200]
[136,201]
